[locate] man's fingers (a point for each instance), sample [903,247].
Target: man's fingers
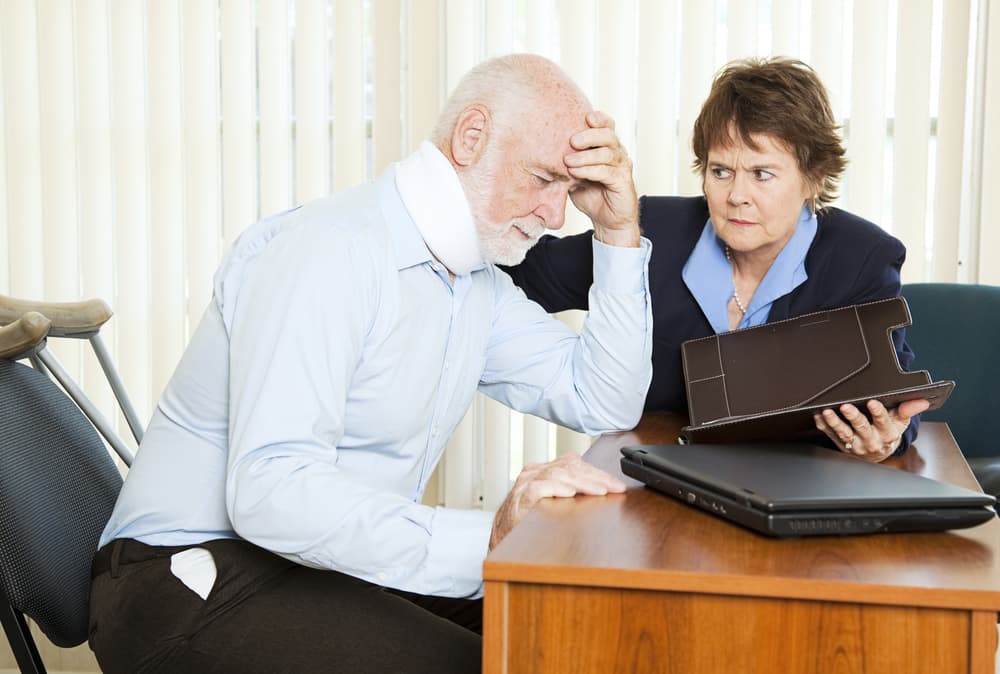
[594,474]
[598,483]
[598,118]
[613,484]
[603,136]
[599,174]
[540,489]
[564,477]
[569,486]
[528,472]
[593,156]
[573,475]
[605,192]
[561,488]
[575,468]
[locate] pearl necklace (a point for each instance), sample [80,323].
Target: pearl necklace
[736,294]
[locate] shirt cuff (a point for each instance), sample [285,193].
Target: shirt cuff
[620,269]
[458,545]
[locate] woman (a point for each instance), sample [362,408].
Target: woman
[760,246]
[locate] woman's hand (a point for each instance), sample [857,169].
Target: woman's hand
[873,440]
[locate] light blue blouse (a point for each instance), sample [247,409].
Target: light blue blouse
[709,276]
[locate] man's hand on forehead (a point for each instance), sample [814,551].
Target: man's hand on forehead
[606,192]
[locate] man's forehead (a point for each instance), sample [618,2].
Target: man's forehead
[553,115]
[543,137]
[549,141]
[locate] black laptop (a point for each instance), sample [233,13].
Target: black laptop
[798,489]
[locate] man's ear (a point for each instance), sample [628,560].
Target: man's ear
[471,133]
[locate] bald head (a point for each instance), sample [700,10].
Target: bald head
[506,131]
[507,88]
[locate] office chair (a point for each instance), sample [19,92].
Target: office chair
[58,483]
[953,336]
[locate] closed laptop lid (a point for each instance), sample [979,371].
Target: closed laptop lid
[782,477]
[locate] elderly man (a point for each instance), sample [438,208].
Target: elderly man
[272,520]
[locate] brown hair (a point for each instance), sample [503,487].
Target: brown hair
[782,98]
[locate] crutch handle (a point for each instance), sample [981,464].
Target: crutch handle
[23,335]
[69,319]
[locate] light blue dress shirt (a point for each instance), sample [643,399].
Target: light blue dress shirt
[709,276]
[335,360]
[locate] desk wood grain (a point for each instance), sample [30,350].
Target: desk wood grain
[623,576]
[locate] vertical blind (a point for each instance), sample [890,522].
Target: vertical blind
[139,137]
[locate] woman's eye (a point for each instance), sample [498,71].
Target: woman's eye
[762,175]
[720,173]
[541,180]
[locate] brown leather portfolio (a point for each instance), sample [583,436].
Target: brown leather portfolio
[766,382]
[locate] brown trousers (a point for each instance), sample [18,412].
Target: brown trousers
[269,615]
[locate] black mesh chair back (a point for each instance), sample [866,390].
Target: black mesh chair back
[58,484]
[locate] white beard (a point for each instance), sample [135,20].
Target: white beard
[498,242]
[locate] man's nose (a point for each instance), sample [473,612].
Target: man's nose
[552,210]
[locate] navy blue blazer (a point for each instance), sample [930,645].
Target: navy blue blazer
[850,261]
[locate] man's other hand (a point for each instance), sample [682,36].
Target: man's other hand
[568,475]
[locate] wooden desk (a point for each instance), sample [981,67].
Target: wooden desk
[639,582]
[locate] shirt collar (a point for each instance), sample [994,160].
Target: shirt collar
[435,200]
[708,275]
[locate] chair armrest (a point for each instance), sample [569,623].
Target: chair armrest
[987,472]
[23,335]
[69,319]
